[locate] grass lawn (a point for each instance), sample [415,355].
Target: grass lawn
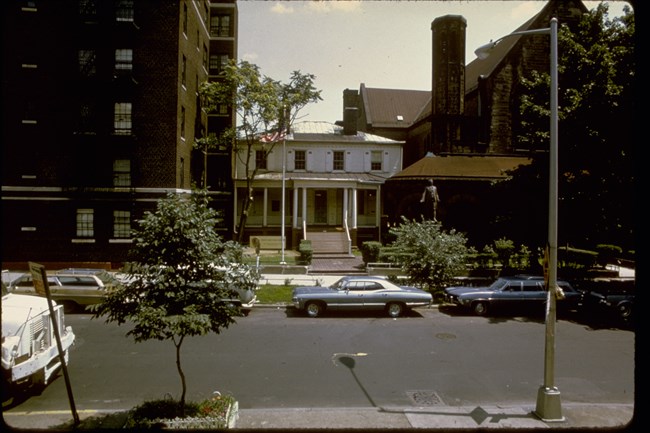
[274,294]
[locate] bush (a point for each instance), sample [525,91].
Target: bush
[306,251]
[370,251]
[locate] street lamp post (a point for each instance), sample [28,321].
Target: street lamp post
[548,407]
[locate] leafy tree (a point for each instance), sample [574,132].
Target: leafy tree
[596,68]
[181,276]
[429,256]
[263,105]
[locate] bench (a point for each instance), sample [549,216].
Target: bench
[266,242]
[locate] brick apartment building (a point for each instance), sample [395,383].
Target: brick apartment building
[100,115]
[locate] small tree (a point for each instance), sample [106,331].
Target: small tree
[429,256]
[263,106]
[182,274]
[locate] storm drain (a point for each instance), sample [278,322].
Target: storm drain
[424,398]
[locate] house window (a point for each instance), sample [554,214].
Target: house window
[124,10]
[260,159]
[182,122]
[218,63]
[339,160]
[222,110]
[375,160]
[121,172]
[184,71]
[85,225]
[122,118]
[205,56]
[123,59]
[87,63]
[300,161]
[220,25]
[121,224]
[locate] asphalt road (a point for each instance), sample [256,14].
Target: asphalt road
[276,359]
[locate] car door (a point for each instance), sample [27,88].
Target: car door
[375,296]
[350,296]
[508,297]
[534,295]
[83,290]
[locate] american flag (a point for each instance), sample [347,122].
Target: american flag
[272,137]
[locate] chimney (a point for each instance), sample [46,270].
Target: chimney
[350,121]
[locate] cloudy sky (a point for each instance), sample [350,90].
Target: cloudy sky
[385,44]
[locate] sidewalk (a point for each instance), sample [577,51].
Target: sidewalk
[606,417]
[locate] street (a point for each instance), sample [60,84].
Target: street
[276,359]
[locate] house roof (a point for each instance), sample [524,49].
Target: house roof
[452,167]
[368,178]
[383,107]
[329,132]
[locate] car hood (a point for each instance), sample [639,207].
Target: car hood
[463,290]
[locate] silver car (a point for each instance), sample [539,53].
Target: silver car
[360,293]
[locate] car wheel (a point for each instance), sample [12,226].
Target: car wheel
[480,308]
[625,311]
[314,309]
[394,309]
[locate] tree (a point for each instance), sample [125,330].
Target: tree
[596,136]
[430,257]
[263,106]
[182,276]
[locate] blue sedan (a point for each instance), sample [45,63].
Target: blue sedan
[360,293]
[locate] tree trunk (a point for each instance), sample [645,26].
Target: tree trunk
[180,372]
[244,214]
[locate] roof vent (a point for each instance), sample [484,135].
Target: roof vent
[400,118]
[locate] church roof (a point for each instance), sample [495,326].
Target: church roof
[457,167]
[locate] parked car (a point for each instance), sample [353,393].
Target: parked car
[521,293]
[609,298]
[73,288]
[359,293]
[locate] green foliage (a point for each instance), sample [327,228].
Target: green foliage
[370,251]
[306,251]
[597,91]
[181,274]
[608,253]
[429,256]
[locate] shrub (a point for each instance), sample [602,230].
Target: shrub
[306,251]
[370,251]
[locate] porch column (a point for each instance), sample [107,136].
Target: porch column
[345,205]
[266,202]
[295,208]
[304,206]
[354,208]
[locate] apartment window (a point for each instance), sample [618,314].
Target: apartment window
[375,160]
[122,172]
[124,10]
[205,56]
[122,118]
[29,6]
[260,159]
[339,160]
[220,25]
[87,8]
[184,71]
[87,117]
[300,161]
[121,224]
[218,63]
[182,176]
[185,19]
[85,223]
[87,63]
[124,59]
[182,122]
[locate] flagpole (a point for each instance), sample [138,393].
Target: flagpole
[284,168]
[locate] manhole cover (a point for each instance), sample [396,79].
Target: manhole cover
[424,398]
[445,336]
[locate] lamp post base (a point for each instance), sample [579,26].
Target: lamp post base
[549,407]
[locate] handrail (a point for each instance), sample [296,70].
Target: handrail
[347,232]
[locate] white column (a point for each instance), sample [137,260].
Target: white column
[266,202]
[304,205]
[295,208]
[354,208]
[345,204]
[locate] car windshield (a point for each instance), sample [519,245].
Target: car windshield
[498,284]
[338,285]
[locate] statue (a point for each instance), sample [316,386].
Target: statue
[430,198]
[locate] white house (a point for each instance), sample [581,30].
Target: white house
[332,177]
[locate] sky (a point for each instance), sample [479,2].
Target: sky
[383,44]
